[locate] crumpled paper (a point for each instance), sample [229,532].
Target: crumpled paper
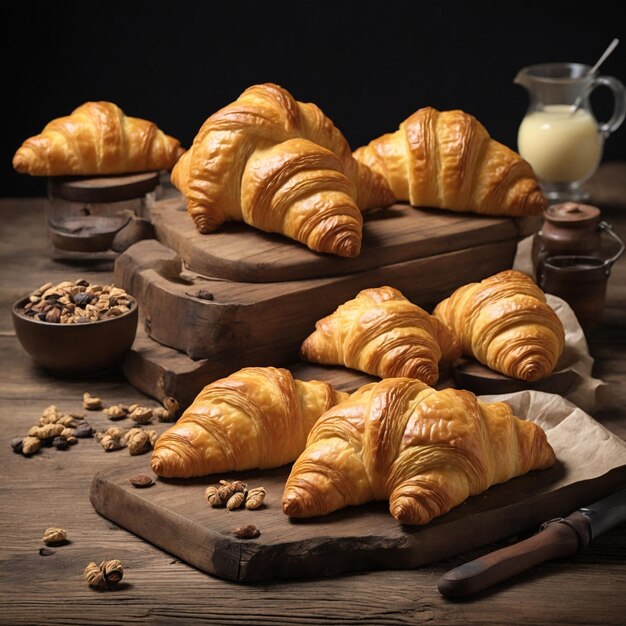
[589,393]
[584,447]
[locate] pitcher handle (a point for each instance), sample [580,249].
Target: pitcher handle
[608,229]
[619,106]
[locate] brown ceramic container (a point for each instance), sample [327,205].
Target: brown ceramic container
[76,350]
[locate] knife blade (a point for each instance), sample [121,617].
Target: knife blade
[556,538]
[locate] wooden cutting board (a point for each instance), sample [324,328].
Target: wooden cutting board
[240,253]
[173,515]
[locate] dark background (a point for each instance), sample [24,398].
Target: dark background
[367,65]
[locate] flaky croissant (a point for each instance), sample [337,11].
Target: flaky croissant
[505,323]
[448,160]
[281,166]
[382,333]
[97,138]
[424,450]
[258,417]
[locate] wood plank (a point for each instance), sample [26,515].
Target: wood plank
[241,253]
[160,371]
[253,322]
[174,515]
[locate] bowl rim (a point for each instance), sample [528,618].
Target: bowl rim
[20,302]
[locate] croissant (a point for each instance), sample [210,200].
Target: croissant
[280,166]
[258,417]
[425,451]
[97,138]
[448,160]
[505,323]
[380,332]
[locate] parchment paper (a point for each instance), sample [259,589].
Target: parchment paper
[584,448]
[590,394]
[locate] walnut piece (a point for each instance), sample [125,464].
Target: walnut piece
[54,535]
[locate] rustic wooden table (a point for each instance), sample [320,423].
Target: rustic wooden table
[52,489]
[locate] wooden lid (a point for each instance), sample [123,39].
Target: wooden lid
[102,188]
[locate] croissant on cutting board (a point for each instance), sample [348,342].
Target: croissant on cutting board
[258,417]
[447,160]
[382,333]
[97,138]
[281,166]
[505,323]
[425,451]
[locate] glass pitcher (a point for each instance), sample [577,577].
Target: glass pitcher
[559,135]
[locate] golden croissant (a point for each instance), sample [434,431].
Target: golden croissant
[447,160]
[97,138]
[382,333]
[425,451]
[281,166]
[258,417]
[505,323]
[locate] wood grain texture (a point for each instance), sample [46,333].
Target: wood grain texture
[175,516]
[241,253]
[53,489]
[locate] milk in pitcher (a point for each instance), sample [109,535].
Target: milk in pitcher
[561,144]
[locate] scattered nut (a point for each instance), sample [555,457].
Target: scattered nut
[255,498]
[83,431]
[91,403]
[76,302]
[212,495]
[236,500]
[53,535]
[246,532]
[141,481]
[116,412]
[138,443]
[105,575]
[141,415]
[30,445]
[60,443]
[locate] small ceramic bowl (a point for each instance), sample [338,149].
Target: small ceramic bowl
[76,350]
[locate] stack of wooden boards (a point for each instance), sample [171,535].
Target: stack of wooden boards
[212,304]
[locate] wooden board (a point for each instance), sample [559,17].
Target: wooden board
[174,515]
[269,321]
[160,371]
[401,233]
[478,378]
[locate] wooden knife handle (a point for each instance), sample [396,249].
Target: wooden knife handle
[557,538]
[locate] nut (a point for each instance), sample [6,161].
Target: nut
[255,498]
[91,403]
[246,532]
[212,495]
[235,501]
[54,535]
[141,415]
[116,412]
[105,575]
[141,481]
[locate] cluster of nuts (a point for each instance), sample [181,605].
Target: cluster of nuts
[136,412]
[104,576]
[234,495]
[77,302]
[137,440]
[53,429]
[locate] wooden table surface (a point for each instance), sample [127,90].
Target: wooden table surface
[51,488]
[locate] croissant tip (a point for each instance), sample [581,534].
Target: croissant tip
[156,464]
[347,246]
[20,163]
[292,505]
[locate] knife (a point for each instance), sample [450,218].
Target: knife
[556,538]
